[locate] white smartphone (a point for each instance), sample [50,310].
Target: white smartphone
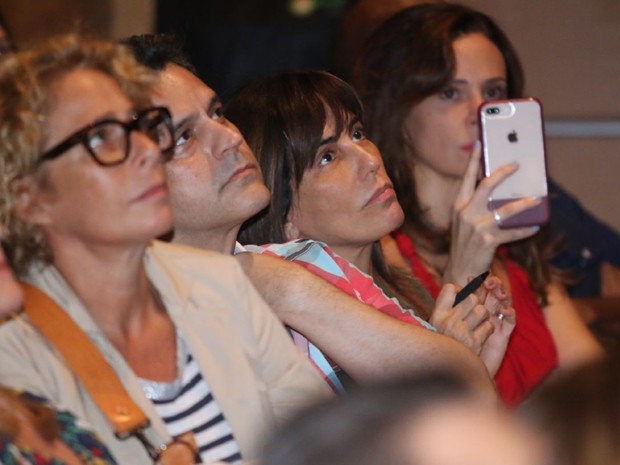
[512,131]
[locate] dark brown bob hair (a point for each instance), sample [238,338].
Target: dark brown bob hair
[282,118]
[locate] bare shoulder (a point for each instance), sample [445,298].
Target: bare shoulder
[575,342]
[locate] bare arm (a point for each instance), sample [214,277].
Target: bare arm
[364,342]
[574,341]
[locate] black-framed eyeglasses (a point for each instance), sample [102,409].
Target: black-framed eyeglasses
[109,141]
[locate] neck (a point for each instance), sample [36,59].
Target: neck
[219,240]
[360,256]
[110,281]
[436,193]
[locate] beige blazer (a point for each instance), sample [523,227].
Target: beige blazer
[255,372]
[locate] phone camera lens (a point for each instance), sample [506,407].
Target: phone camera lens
[492,111]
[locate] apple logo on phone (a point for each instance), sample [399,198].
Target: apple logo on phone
[512,137]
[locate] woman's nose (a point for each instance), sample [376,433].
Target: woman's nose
[475,100]
[144,148]
[369,161]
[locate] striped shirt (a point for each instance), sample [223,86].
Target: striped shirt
[195,409]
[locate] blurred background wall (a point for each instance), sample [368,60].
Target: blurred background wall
[570,50]
[31,20]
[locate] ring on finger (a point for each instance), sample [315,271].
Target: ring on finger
[497,217]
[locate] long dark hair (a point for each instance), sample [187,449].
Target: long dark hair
[409,58]
[282,119]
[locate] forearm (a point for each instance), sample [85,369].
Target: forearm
[364,342]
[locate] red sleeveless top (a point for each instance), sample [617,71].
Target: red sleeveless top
[531,353]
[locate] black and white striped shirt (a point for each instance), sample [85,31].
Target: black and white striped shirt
[193,408]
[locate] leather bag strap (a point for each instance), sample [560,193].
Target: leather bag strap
[86,362]
[100,380]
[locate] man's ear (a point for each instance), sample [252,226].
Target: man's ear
[27,205]
[291,231]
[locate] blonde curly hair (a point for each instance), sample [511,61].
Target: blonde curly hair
[25,100]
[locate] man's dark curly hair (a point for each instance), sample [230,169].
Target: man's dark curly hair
[155,51]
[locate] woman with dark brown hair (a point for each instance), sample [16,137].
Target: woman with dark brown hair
[332,202]
[422,76]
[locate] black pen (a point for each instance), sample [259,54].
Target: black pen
[470,288]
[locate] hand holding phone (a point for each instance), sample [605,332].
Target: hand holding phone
[511,131]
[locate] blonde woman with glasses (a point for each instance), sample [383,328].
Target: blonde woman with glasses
[84,195]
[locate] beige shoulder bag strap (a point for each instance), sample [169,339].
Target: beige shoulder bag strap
[99,379]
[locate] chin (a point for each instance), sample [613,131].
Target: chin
[255,201]
[147,231]
[387,228]
[394,219]
[262,200]
[162,223]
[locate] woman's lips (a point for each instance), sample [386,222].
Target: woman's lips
[383,193]
[468,147]
[157,190]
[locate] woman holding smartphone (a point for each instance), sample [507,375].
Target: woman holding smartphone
[422,76]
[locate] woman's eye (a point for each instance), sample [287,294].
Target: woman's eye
[449,93]
[326,158]
[495,92]
[101,135]
[96,139]
[358,135]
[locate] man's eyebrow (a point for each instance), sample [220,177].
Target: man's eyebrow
[188,119]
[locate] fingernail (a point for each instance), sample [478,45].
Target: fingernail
[476,145]
[535,228]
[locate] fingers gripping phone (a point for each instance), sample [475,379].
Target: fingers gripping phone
[512,131]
